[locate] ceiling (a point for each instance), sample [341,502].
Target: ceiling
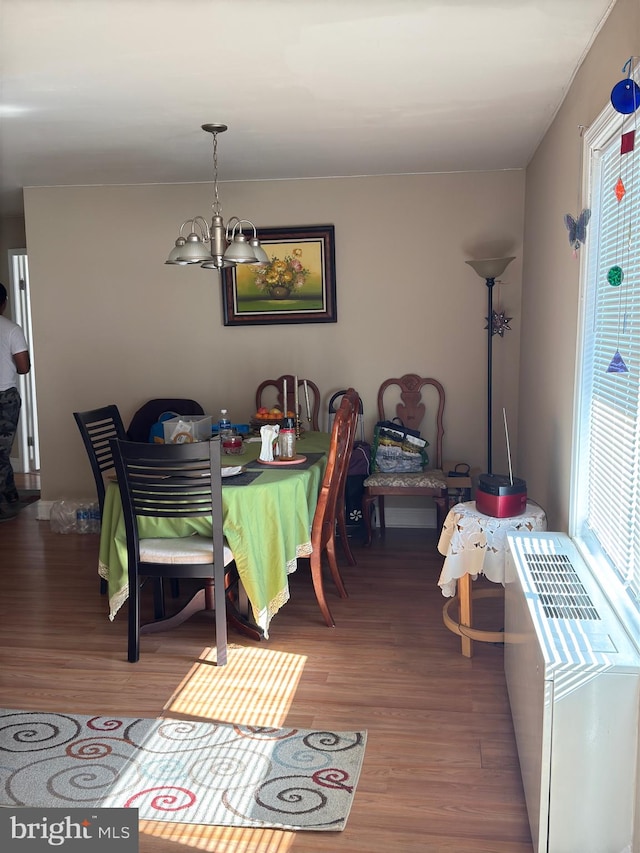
[115,91]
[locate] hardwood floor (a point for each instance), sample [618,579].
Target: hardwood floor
[440,773]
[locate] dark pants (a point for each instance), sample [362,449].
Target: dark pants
[9,413]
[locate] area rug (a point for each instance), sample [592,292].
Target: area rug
[180,770]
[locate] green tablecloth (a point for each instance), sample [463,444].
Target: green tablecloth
[267,524]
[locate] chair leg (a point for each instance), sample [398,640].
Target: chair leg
[333,566]
[441,503]
[344,539]
[367,510]
[381,514]
[133,651]
[104,586]
[220,615]
[158,598]
[318,586]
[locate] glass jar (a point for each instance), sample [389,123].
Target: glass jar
[287,439]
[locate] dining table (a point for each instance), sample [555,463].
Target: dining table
[267,510]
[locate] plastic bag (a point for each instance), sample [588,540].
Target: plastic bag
[75,517]
[63,516]
[397,449]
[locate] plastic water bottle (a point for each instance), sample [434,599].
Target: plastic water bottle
[224,425]
[82,519]
[94,518]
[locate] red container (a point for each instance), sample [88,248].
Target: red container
[497,496]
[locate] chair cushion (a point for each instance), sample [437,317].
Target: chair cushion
[432,478]
[189,549]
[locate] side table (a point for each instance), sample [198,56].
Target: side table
[472,544]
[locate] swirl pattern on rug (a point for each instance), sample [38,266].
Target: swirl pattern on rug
[181,770]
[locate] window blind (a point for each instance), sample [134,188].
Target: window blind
[607,480]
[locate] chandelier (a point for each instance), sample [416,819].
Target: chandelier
[216,246]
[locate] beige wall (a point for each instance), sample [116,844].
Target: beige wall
[12,236]
[551,273]
[113,323]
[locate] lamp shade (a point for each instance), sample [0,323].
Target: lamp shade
[176,252]
[194,251]
[239,251]
[490,267]
[258,251]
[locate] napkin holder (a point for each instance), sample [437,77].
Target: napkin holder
[269,435]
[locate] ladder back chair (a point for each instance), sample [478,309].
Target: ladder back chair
[265,394]
[97,428]
[405,397]
[330,509]
[173,481]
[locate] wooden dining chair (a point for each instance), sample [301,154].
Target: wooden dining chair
[419,404]
[173,481]
[97,428]
[341,507]
[330,506]
[265,396]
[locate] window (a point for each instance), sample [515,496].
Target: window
[606,481]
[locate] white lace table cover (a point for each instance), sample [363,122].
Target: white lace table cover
[473,543]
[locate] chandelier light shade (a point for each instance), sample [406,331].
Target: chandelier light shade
[489,269]
[216,246]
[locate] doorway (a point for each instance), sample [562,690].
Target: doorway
[27,441]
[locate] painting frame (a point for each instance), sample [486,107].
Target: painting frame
[297,286]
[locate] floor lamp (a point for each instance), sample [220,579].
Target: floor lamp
[489,269]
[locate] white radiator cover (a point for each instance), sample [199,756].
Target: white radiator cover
[573,677]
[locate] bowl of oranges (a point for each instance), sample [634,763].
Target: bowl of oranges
[268,416]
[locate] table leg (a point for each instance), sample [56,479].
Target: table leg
[465,604]
[203,600]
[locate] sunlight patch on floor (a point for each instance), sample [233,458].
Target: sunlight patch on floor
[255,688]
[224,840]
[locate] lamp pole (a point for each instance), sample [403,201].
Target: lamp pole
[489,269]
[490,283]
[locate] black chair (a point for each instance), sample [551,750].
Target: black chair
[173,481]
[97,428]
[148,414]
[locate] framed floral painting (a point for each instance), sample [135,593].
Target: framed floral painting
[297,285]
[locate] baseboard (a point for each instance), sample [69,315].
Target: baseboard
[44,510]
[420,517]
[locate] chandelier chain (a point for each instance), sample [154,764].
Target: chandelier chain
[216,206]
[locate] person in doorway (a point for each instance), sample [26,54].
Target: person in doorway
[14,359]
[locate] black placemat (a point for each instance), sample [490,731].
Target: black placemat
[311,459]
[241,479]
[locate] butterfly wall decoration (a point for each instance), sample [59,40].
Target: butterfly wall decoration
[577,228]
